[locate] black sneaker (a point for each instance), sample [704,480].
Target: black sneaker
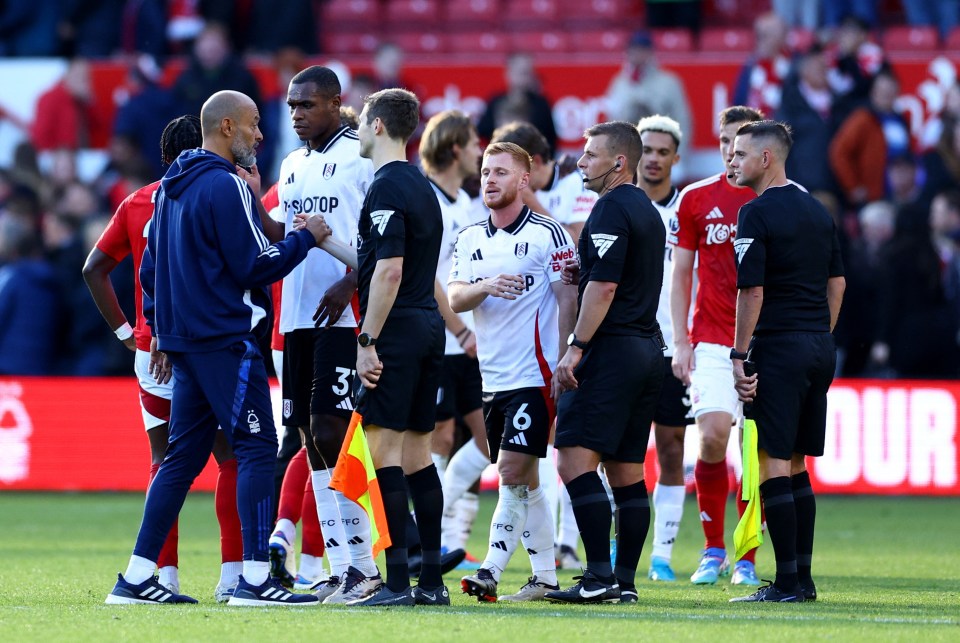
[436,596]
[589,589]
[809,590]
[448,562]
[149,592]
[482,585]
[769,593]
[628,595]
[386,597]
[271,593]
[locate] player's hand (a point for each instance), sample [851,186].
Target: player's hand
[504,286]
[131,343]
[469,345]
[315,223]
[251,176]
[683,363]
[564,371]
[746,385]
[159,366]
[570,274]
[369,366]
[334,301]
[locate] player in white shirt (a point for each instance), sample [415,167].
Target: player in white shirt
[326,176]
[661,138]
[508,269]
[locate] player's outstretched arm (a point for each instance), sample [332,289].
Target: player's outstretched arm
[464,296]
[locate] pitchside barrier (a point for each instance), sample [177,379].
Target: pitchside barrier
[884,437]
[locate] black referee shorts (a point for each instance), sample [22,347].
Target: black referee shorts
[794,371]
[619,378]
[461,387]
[318,370]
[673,407]
[410,347]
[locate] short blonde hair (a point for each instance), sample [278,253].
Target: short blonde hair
[519,154]
[662,124]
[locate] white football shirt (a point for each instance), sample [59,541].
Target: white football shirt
[668,212]
[566,199]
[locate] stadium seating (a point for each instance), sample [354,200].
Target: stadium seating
[472,13]
[423,15]
[478,42]
[420,43]
[904,38]
[734,40]
[528,15]
[540,41]
[350,15]
[606,41]
[338,43]
[952,42]
[672,40]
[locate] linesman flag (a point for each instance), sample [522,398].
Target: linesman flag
[356,478]
[748,534]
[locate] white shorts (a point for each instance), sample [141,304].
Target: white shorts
[154,398]
[711,383]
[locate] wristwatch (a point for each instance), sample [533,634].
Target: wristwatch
[735,354]
[364,339]
[573,341]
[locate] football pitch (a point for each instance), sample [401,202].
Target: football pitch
[886,569]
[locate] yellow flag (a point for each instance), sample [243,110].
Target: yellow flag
[748,534]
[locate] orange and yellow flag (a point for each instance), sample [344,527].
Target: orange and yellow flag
[356,478]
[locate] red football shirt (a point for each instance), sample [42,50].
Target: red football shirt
[270,201]
[706,224]
[125,234]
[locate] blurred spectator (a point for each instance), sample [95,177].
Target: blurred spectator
[279,139]
[949,113]
[91,28]
[799,13]
[276,26]
[945,224]
[865,142]
[835,12]
[146,111]
[143,27]
[807,106]
[523,101]
[30,315]
[213,67]
[674,13]
[904,182]
[641,89]
[942,165]
[66,113]
[856,61]
[942,14]
[388,66]
[126,171]
[760,84]
[184,23]
[361,86]
[29,28]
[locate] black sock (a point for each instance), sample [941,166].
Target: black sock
[427,497]
[806,506]
[633,507]
[777,494]
[591,506]
[393,488]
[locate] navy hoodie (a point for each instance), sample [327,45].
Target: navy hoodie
[207,266]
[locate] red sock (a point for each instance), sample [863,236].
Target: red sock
[741,507]
[225,500]
[312,543]
[168,553]
[291,491]
[713,487]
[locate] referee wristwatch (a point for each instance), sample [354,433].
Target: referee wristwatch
[365,339]
[735,354]
[573,341]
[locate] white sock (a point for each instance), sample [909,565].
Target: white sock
[667,512]
[568,533]
[330,523]
[139,569]
[230,573]
[311,567]
[464,469]
[255,572]
[509,519]
[537,536]
[356,531]
[466,508]
[439,461]
[287,528]
[549,479]
[168,577]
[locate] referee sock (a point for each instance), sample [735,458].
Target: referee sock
[806,506]
[777,494]
[509,520]
[427,495]
[633,506]
[668,510]
[393,488]
[537,536]
[592,509]
[713,487]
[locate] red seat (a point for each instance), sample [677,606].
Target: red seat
[728,40]
[350,43]
[532,12]
[953,40]
[473,13]
[349,12]
[672,40]
[480,42]
[607,41]
[540,41]
[420,43]
[910,39]
[609,11]
[419,13]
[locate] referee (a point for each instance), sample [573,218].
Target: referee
[613,368]
[790,280]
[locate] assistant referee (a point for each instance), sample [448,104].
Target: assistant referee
[790,281]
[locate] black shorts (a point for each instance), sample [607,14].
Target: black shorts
[410,346]
[619,386]
[673,407]
[461,387]
[794,371]
[318,370]
[518,421]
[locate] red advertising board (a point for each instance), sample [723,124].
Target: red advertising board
[86,434]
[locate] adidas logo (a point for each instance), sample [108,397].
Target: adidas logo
[705,517]
[740,246]
[499,545]
[275,594]
[331,543]
[715,213]
[603,242]
[518,439]
[159,595]
[380,219]
[476,256]
[289,180]
[356,540]
[531,552]
[345,405]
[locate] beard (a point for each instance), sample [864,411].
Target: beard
[501,200]
[244,155]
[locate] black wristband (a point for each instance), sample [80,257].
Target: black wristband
[735,354]
[465,329]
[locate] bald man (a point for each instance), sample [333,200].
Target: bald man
[205,277]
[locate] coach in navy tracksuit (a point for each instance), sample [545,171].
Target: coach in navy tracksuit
[205,275]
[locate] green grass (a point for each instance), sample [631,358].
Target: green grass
[886,569]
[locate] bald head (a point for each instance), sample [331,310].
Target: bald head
[225,104]
[230,121]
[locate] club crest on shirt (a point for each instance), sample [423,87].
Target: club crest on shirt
[520,250]
[287,408]
[329,169]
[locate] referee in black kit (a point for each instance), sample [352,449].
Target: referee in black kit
[790,280]
[613,368]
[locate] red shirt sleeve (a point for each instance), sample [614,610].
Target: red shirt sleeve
[115,242]
[687,237]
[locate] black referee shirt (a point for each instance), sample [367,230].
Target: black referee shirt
[787,243]
[400,218]
[622,242]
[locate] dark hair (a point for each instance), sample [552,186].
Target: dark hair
[444,131]
[399,110]
[778,133]
[182,133]
[323,77]
[622,138]
[952,197]
[349,117]
[739,114]
[525,135]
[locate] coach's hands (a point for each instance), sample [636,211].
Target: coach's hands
[683,363]
[335,300]
[564,372]
[251,176]
[315,223]
[505,286]
[159,367]
[369,366]
[570,274]
[746,385]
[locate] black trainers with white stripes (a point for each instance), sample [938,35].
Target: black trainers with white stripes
[267,595]
[149,592]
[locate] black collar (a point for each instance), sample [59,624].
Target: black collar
[514,227]
[436,186]
[665,201]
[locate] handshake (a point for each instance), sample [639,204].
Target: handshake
[315,224]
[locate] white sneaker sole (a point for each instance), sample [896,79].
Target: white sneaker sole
[255,602]
[113,599]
